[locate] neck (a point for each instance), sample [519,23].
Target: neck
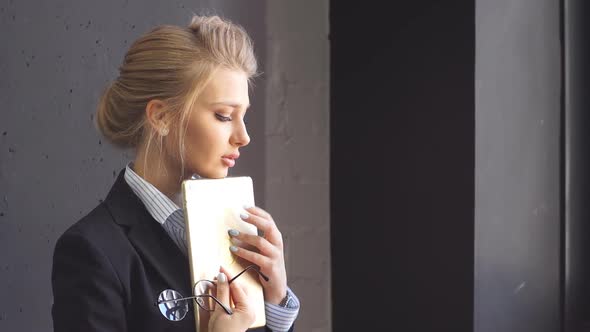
[156,169]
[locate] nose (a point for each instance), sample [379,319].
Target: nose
[240,135]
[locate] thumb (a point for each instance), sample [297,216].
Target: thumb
[222,293]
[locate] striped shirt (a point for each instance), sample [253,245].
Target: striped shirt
[171,217]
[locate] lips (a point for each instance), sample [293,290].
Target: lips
[232,156]
[230,159]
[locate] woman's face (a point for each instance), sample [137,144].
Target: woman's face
[216,129]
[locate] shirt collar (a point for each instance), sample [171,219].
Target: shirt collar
[158,205]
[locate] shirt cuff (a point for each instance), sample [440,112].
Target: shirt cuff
[280,319]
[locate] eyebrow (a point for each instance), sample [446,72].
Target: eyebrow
[229,103]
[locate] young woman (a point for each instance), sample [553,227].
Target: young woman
[179,101]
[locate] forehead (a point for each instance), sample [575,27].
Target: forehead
[229,86]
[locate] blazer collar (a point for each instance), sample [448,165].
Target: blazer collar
[148,237]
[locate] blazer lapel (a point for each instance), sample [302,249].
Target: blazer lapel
[148,236]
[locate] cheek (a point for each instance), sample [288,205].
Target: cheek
[206,139]
[200,140]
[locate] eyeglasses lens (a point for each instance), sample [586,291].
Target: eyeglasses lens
[172,310]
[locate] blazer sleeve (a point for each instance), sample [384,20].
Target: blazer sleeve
[87,293]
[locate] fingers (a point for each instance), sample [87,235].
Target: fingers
[238,295]
[230,277]
[226,272]
[240,316]
[262,244]
[244,309]
[258,259]
[265,223]
[269,256]
[236,292]
[258,211]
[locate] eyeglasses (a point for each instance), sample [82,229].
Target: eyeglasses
[174,306]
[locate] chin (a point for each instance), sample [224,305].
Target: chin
[215,174]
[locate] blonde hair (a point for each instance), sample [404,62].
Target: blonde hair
[172,64]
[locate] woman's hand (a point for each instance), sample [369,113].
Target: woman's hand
[243,311]
[269,258]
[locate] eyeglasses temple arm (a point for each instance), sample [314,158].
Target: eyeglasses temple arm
[225,308]
[180,299]
[248,268]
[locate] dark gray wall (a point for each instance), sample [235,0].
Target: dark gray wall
[576,165]
[402,165]
[517,173]
[56,58]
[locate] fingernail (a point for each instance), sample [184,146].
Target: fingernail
[233,248]
[233,232]
[221,277]
[244,215]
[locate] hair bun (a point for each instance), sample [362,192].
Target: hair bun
[211,22]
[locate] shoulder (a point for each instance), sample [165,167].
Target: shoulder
[94,250]
[95,234]
[96,226]
[87,282]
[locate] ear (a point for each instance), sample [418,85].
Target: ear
[155,113]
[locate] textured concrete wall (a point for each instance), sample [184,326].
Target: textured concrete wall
[297,149]
[517,191]
[56,58]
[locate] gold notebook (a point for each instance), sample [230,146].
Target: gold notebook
[211,208]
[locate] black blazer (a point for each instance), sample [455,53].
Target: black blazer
[109,267]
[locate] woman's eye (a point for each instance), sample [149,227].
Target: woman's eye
[222,118]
